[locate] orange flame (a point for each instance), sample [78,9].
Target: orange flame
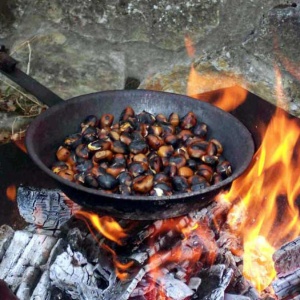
[11,193]
[112,230]
[227,99]
[182,251]
[106,225]
[262,217]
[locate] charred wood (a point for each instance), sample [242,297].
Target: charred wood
[287,287]
[235,297]
[46,209]
[23,258]
[214,282]
[6,235]
[287,258]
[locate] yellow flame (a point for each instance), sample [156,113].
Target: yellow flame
[106,225]
[261,217]
[227,99]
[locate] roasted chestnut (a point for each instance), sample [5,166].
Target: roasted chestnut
[142,154]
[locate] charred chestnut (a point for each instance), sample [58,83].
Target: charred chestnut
[224,169]
[200,130]
[161,118]
[178,160]
[90,120]
[119,147]
[82,151]
[205,171]
[165,151]
[67,174]
[83,166]
[99,145]
[185,172]
[218,146]
[180,184]
[126,138]
[115,169]
[161,189]
[107,181]
[137,168]
[174,119]
[172,139]
[161,177]
[145,117]
[106,120]
[155,129]
[154,141]
[127,113]
[210,159]
[170,170]
[125,178]
[73,140]
[188,121]
[59,166]
[138,146]
[143,184]
[155,163]
[103,155]
[91,181]
[125,189]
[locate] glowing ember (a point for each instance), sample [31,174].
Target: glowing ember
[112,230]
[261,217]
[196,245]
[11,193]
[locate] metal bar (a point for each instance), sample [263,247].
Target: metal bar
[9,69]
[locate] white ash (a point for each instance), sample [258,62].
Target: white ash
[70,269]
[6,235]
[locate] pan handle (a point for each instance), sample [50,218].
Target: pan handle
[9,69]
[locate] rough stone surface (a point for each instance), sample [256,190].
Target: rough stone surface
[78,47]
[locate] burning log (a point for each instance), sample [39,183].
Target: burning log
[288,287]
[6,235]
[287,258]
[71,270]
[287,265]
[23,258]
[214,282]
[80,264]
[46,209]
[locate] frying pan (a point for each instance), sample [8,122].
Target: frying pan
[48,130]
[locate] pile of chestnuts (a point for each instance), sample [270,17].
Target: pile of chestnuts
[142,154]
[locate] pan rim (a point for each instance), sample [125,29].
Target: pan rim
[175,197]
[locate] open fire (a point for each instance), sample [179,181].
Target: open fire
[263,215]
[243,228]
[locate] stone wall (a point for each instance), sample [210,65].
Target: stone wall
[82,46]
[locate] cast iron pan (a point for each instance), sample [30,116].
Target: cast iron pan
[48,130]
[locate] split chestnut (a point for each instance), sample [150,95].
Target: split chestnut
[142,154]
